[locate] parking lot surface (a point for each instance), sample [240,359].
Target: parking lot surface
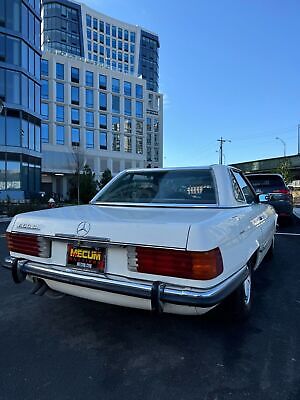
[78,349]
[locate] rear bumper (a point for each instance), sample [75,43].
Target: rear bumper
[157,292]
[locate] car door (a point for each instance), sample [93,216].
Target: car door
[261,213]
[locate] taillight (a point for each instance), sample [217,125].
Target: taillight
[181,264]
[32,245]
[283,191]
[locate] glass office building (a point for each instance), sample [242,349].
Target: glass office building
[20,121]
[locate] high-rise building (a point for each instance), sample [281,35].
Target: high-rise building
[20,123]
[99,91]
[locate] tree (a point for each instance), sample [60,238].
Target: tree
[78,166]
[284,169]
[106,177]
[87,184]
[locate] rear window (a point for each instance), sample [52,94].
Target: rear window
[178,187]
[266,182]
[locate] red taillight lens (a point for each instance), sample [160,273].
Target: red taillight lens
[32,245]
[182,264]
[283,191]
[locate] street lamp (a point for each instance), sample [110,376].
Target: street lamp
[284,145]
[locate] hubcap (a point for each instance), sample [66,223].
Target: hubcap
[247,290]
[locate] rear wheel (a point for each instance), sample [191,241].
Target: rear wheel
[238,304]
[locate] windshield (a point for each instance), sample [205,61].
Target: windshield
[178,187]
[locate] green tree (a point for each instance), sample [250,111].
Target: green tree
[284,169]
[87,184]
[106,177]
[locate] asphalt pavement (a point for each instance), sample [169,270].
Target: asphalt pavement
[77,349]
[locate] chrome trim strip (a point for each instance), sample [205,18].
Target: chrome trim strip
[167,293]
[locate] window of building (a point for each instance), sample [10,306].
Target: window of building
[60,113]
[125,34]
[75,133]
[103,101]
[149,139]
[120,58]
[139,145]
[89,119]
[75,116]
[149,124]
[116,142]
[156,141]
[89,34]
[156,155]
[139,109]
[95,47]
[132,50]
[127,144]
[75,95]
[115,104]
[89,78]
[13,175]
[102,82]
[88,21]
[139,91]
[102,121]
[45,133]
[127,107]
[95,23]
[101,38]
[44,67]
[114,55]
[139,127]
[114,31]
[75,75]
[89,139]
[107,29]
[127,125]
[156,125]
[95,36]
[115,123]
[89,98]
[127,88]
[45,110]
[115,85]
[60,92]
[132,37]
[107,41]
[44,89]
[60,134]
[103,140]
[60,71]
[101,50]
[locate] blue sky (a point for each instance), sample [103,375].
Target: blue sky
[227,68]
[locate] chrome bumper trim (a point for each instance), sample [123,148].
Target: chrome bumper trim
[156,291]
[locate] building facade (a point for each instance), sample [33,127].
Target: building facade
[99,91]
[20,122]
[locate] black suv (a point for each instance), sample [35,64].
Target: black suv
[276,191]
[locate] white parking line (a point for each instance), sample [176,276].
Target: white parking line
[287,234]
[3,235]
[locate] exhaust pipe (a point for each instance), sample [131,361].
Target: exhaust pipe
[40,288]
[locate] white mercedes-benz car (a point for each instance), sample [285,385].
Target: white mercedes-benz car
[175,240]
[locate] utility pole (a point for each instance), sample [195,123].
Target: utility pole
[221,148]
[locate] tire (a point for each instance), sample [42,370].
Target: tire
[238,304]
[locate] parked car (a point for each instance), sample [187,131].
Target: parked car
[175,240]
[276,191]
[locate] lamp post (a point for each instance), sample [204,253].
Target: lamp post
[284,145]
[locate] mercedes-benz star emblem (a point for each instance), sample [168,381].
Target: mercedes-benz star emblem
[83,228]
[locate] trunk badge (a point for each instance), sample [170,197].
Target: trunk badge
[83,228]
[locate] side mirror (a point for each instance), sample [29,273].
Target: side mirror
[263,198]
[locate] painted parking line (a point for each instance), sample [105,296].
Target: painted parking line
[3,235]
[287,234]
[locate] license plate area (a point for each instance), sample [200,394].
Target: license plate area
[86,258]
